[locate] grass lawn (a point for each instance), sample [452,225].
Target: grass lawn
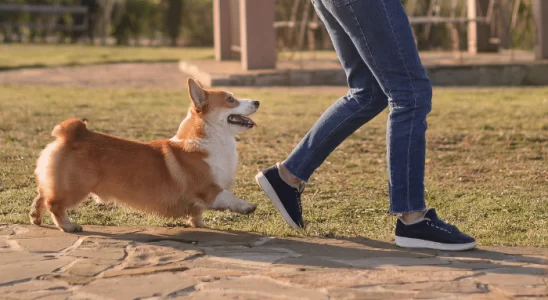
[487,168]
[31,55]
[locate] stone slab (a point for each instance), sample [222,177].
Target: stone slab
[137,287]
[29,269]
[260,285]
[47,244]
[183,263]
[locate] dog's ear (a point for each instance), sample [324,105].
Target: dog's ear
[197,94]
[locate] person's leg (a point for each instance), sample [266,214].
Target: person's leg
[364,100]
[382,34]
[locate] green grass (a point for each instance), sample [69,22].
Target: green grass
[17,56]
[486,171]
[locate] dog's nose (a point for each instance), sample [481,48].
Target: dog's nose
[256,103]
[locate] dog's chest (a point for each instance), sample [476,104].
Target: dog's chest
[223,160]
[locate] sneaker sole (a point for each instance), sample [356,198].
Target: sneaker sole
[417,243]
[265,185]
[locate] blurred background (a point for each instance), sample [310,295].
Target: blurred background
[183,23]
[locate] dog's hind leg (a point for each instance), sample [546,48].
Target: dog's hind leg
[58,206]
[227,200]
[37,209]
[60,217]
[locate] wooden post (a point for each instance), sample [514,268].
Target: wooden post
[472,28]
[221,29]
[540,10]
[257,34]
[479,33]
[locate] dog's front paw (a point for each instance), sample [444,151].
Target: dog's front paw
[196,223]
[35,218]
[248,208]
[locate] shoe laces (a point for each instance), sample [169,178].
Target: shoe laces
[298,193]
[440,225]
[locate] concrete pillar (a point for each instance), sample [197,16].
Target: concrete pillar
[257,34]
[540,10]
[221,29]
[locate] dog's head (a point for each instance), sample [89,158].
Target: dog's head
[221,109]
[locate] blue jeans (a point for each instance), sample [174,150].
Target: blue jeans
[376,48]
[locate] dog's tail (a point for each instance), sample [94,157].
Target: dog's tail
[71,129]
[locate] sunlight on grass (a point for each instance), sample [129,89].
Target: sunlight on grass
[16,56]
[486,169]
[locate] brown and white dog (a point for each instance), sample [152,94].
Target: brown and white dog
[180,177]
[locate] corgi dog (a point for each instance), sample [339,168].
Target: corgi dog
[178,177]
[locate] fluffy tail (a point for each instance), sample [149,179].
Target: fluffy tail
[71,129]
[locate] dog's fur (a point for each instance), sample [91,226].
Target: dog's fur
[179,177]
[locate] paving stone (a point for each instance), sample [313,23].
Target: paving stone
[6,230]
[148,263]
[248,255]
[17,256]
[132,287]
[395,262]
[522,291]
[260,285]
[369,294]
[481,264]
[507,279]
[31,231]
[203,237]
[223,295]
[351,278]
[489,296]
[159,253]
[101,248]
[70,279]
[340,249]
[432,294]
[90,267]
[28,269]
[522,251]
[47,244]
[503,254]
[111,231]
[34,289]
[207,267]
[144,270]
[306,261]
[103,243]
[56,296]
[4,245]
[457,287]
[105,253]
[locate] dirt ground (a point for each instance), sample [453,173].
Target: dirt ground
[163,76]
[123,75]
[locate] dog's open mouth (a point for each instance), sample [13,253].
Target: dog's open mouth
[241,120]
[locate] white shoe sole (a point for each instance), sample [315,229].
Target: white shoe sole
[417,243]
[269,191]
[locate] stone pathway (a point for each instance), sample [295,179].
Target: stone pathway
[183,263]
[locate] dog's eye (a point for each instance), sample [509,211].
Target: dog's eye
[230,99]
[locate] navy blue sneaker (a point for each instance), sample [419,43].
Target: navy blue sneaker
[431,232]
[286,198]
